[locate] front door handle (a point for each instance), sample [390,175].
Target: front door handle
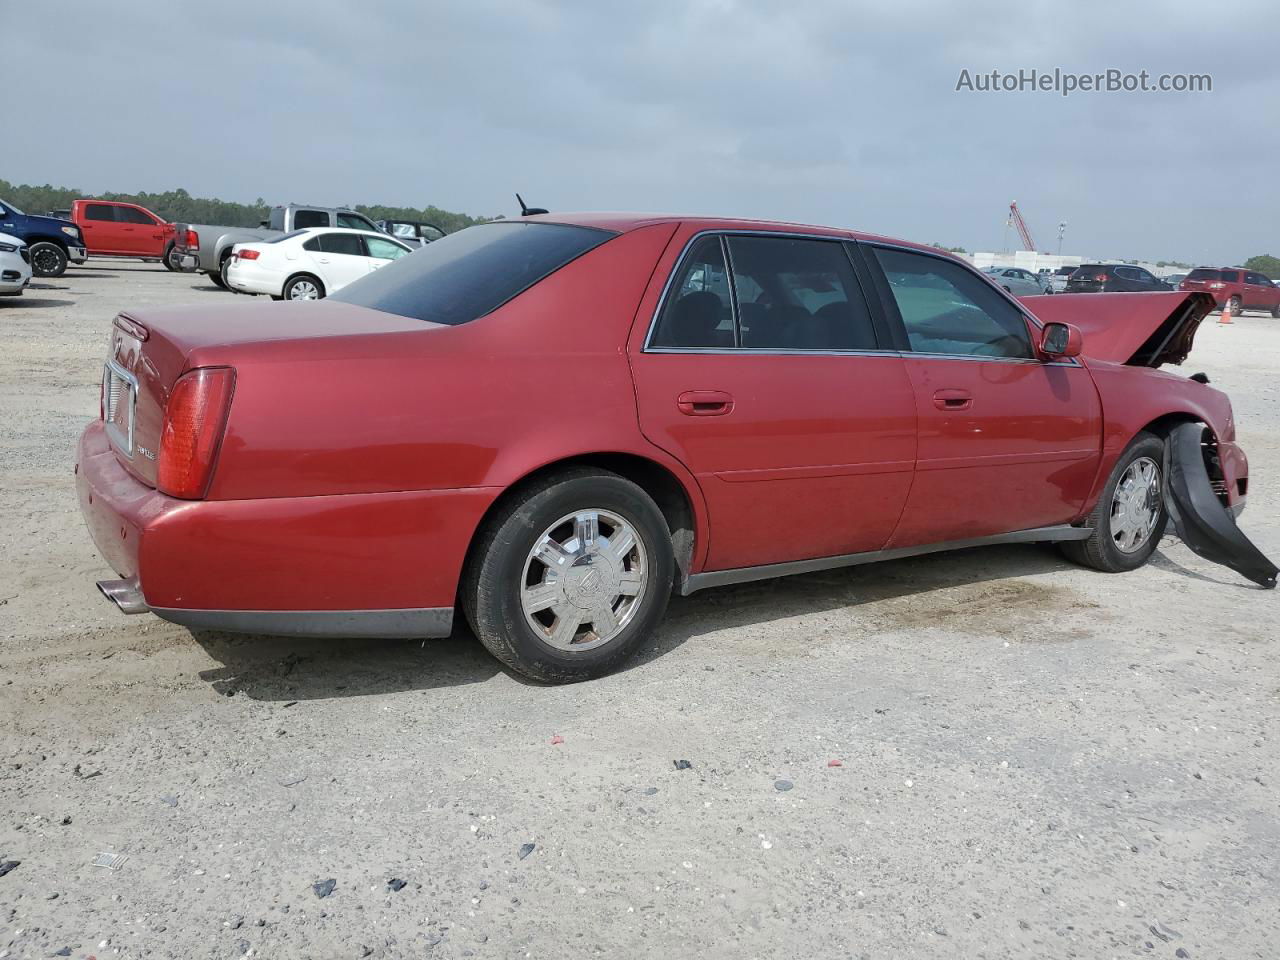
[704,403]
[953,401]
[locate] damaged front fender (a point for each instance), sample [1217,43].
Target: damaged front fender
[1202,520]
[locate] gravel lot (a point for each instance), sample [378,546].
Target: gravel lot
[1037,760]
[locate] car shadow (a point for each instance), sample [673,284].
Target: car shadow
[289,668]
[209,288]
[293,668]
[29,301]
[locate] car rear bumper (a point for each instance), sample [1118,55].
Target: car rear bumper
[188,262]
[244,277]
[359,565]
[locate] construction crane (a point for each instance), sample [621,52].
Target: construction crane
[1023,232]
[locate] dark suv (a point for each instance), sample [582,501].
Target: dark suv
[1114,278]
[1242,289]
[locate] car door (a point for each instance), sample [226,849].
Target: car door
[761,369]
[340,259]
[141,233]
[381,251]
[1006,442]
[1259,293]
[102,232]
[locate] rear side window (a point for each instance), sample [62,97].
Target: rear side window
[472,272]
[1203,275]
[698,310]
[310,218]
[348,243]
[100,211]
[948,309]
[796,294]
[1230,276]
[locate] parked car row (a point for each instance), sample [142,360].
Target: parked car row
[310,263]
[112,228]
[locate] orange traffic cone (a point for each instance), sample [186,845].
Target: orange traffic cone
[1226,313]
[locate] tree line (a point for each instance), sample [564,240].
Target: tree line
[179,206]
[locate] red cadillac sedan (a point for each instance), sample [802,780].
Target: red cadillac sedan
[551,423]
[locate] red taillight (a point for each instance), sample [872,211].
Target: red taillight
[1100,277]
[194,421]
[193,240]
[247,254]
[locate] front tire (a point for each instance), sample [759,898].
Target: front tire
[571,578]
[1129,518]
[48,259]
[170,258]
[303,287]
[1236,306]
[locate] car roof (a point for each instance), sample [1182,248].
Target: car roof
[622,222]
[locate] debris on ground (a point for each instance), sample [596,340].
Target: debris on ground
[323,888]
[556,739]
[396,884]
[835,763]
[782,786]
[294,781]
[683,764]
[170,801]
[525,850]
[112,861]
[8,866]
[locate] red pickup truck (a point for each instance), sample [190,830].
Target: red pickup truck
[115,229]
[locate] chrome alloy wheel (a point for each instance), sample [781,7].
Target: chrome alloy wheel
[584,580]
[303,290]
[1135,505]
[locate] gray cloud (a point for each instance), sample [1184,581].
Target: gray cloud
[823,111]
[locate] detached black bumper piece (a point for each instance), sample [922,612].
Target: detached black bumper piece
[1203,523]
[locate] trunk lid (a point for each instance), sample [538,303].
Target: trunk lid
[1139,329]
[150,349]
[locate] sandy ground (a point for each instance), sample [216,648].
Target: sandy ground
[1038,760]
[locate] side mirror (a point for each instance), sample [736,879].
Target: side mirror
[1061,340]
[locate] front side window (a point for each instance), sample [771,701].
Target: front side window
[384,249]
[947,309]
[100,211]
[310,218]
[698,310]
[130,215]
[472,272]
[348,243]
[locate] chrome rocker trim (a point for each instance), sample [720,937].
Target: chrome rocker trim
[719,578]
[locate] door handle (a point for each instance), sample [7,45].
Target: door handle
[704,403]
[953,401]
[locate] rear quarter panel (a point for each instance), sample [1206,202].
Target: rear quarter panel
[542,378]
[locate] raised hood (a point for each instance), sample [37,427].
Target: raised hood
[1140,329]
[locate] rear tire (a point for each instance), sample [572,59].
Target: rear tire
[1275,311]
[303,287]
[1235,305]
[1117,514]
[598,600]
[221,277]
[48,259]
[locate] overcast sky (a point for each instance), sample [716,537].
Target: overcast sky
[822,111]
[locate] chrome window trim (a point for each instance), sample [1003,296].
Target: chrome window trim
[124,444]
[738,351]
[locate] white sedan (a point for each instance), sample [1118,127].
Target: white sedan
[15,266]
[309,264]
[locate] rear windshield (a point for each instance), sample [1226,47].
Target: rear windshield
[1203,275]
[1088,270]
[472,272]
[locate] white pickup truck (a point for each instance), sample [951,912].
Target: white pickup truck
[206,247]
